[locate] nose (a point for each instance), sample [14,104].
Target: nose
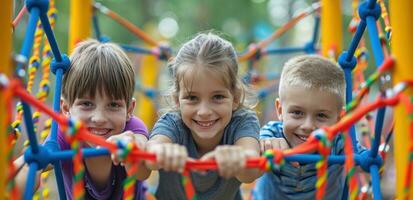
[308,125]
[204,110]
[98,116]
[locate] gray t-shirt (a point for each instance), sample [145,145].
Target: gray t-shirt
[244,123]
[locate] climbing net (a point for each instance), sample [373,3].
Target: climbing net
[37,156]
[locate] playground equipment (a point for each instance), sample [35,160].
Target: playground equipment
[39,156]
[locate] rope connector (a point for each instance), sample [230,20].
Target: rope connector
[64,64]
[347,64]
[42,5]
[365,11]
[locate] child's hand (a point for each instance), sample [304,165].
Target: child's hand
[273,143]
[128,136]
[169,156]
[231,159]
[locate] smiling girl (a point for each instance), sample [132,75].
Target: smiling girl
[210,120]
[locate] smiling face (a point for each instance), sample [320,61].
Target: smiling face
[206,105]
[102,115]
[304,110]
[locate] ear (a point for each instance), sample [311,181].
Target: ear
[237,99]
[235,105]
[131,108]
[278,108]
[64,105]
[176,100]
[341,113]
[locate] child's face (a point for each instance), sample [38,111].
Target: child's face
[102,115]
[206,106]
[304,110]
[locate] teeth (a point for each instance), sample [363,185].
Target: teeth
[98,131]
[302,137]
[205,124]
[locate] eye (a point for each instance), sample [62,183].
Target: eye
[115,105]
[191,98]
[86,104]
[322,116]
[219,97]
[297,113]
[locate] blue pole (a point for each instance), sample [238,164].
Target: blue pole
[31,28]
[136,49]
[56,102]
[316,29]
[59,180]
[50,37]
[31,181]
[96,26]
[356,40]
[379,58]
[284,50]
[375,180]
[27,114]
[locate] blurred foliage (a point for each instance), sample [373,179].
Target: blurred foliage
[236,19]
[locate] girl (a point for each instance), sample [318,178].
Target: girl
[210,120]
[98,90]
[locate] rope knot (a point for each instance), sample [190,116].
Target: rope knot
[324,144]
[124,148]
[274,160]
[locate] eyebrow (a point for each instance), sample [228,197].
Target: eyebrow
[219,91]
[326,111]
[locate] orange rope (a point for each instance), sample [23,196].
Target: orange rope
[127,24]
[17,20]
[276,34]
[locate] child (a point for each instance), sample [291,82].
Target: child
[311,95]
[211,121]
[98,90]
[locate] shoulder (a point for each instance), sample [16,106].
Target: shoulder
[136,125]
[244,123]
[272,129]
[244,119]
[170,118]
[136,120]
[171,125]
[244,115]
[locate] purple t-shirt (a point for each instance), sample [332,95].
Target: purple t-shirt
[114,188]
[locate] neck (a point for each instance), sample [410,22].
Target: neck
[206,145]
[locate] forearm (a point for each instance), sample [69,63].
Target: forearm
[143,171]
[249,175]
[251,148]
[99,170]
[21,177]
[153,144]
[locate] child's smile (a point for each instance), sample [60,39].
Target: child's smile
[101,114]
[206,124]
[103,132]
[304,110]
[206,105]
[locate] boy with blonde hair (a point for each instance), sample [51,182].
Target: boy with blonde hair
[311,95]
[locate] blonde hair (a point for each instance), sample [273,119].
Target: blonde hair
[313,72]
[102,67]
[213,53]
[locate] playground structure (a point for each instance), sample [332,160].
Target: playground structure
[39,156]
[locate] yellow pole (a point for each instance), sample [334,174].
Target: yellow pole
[331,27]
[80,21]
[5,68]
[148,76]
[401,43]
